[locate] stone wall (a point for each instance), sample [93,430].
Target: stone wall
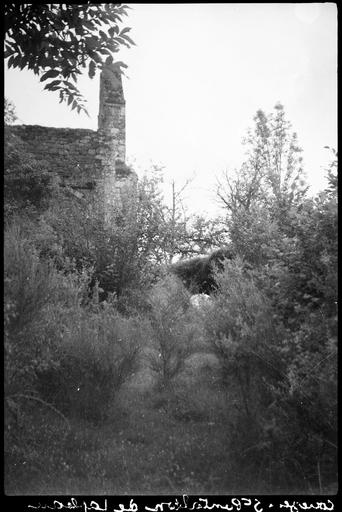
[72,154]
[88,160]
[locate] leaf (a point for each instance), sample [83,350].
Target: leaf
[113,30]
[10,61]
[52,73]
[129,40]
[97,58]
[74,105]
[55,82]
[16,61]
[103,35]
[70,85]
[89,25]
[105,51]
[91,42]
[70,99]
[124,30]
[22,63]
[32,61]
[92,68]
[8,52]
[52,84]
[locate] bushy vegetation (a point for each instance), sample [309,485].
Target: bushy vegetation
[285,431]
[107,360]
[273,323]
[71,355]
[173,331]
[27,184]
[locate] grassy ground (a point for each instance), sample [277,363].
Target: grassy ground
[152,442]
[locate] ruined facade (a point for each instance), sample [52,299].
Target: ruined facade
[88,162]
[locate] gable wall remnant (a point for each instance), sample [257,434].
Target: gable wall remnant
[88,160]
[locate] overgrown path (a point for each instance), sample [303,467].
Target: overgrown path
[151,442]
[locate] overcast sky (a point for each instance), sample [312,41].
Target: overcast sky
[197,77]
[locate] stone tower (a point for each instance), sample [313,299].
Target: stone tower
[112,116]
[119,181]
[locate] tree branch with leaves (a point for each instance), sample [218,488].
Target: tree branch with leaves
[272,173]
[57,40]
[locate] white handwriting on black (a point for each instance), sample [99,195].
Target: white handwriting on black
[72,505]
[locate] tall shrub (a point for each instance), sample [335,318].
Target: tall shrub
[173,334]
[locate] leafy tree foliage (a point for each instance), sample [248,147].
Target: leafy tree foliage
[279,317]
[332,172]
[204,235]
[269,187]
[130,253]
[272,173]
[10,112]
[57,40]
[198,273]
[169,231]
[284,379]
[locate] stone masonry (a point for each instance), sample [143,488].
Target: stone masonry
[89,161]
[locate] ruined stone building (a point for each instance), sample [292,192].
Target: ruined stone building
[88,162]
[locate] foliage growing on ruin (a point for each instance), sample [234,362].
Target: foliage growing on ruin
[10,112]
[28,185]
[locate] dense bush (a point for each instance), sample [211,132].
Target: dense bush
[64,362]
[97,353]
[71,356]
[285,381]
[172,330]
[118,255]
[32,289]
[243,334]
[274,329]
[198,274]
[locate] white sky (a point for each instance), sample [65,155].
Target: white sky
[197,77]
